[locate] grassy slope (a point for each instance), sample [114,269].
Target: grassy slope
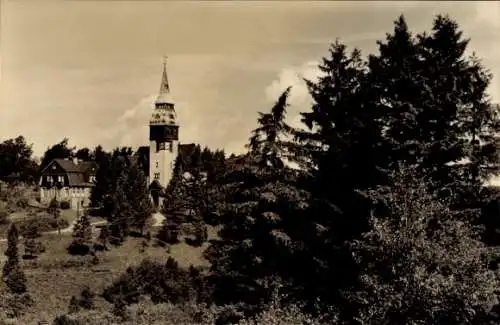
[56,276]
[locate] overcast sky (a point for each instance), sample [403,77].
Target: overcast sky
[89,70]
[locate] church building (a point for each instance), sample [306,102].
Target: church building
[163,140]
[70,180]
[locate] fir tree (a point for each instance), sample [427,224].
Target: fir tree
[82,232]
[13,275]
[122,212]
[261,218]
[138,198]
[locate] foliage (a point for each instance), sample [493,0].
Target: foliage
[161,282]
[259,234]
[4,217]
[65,205]
[419,264]
[16,161]
[60,150]
[33,227]
[82,236]
[32,247]
[13,275]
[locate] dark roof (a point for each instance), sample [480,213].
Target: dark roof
[70,167]
[77,179]
[85,166]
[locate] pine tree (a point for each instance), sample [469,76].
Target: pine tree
[122,212]
[138,198]
[261,217]
[82,232]
[13,275]
[102,181]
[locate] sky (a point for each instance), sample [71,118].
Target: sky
[90,70]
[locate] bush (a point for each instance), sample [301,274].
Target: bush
[15,305]
[77,247]
[420,264]
[33,227]
[4,217]
[32,248]
[65,205]
[162,282]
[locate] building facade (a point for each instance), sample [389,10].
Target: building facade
[67,180]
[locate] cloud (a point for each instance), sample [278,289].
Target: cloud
[130,128]
[299,99]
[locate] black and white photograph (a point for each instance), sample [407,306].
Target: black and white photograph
[181,162]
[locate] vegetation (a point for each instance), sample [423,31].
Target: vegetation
[372,212]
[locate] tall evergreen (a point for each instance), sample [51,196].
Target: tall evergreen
[138,198]
[121,212]
[261,218]
[102,183]
[13,275]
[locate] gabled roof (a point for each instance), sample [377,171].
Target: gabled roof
[70,167]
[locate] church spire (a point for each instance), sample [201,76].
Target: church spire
[164,96]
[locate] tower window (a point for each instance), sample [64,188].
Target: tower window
[157,176]
[162,146]
[156,164]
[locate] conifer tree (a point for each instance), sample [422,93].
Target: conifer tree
[13,275]
[261,218]
[122,212]
[138,198]
[82,232]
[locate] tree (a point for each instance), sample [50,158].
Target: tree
[53,209]
[261,219]
[437,114]
[419,265]
[82,232]
[138,198]
[16,161]
[60,150]
[121,211]
[103,179]
[84,154]
[13,275]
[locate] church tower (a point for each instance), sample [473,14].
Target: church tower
[163,138]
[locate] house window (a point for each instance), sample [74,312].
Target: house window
[92,178]
[162,146]
[157,175]
[49,179]
[170,146]
[60,179]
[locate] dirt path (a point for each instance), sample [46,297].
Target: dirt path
[157,218]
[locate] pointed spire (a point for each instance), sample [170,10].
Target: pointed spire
[164,94]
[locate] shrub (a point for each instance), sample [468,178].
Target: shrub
[65,205]
[32,248]
[4,217]
[420,264]
[161,282]
[33,227]
[77,247]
